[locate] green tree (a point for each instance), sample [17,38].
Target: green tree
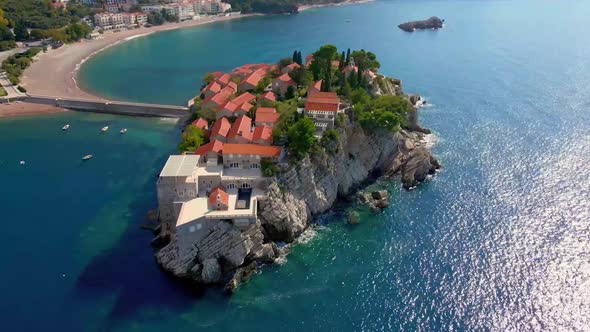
[20,31]
[301,137]
[192,138]
[300,76]
[347,56]
[290,93]
[6,34]
[208,78]
[342,61]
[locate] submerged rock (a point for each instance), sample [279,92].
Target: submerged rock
[242,275]
[211,272]
[431,23]
[353,217]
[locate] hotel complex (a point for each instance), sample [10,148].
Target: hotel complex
[222,180]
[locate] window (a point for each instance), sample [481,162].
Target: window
[234,165]
[245,185]
[254,166]
[192,229]
[180,193]
[231,186]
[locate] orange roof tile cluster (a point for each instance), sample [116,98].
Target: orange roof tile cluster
[286,78]
[323,101]
[218,195]
[252,149]
[267,115]
[269,95]
[317,85]
[308,59]
[242,102]
[221,128]
[255,77]
[214,145]
[201,123]
[241,127]
[263,133]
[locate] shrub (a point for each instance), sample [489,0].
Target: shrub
[21,89]
[268,168]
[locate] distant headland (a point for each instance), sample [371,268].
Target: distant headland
[431,23]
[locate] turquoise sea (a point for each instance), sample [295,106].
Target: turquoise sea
[499,240]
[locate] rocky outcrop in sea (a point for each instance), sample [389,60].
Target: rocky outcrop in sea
[431,23]
[301,192]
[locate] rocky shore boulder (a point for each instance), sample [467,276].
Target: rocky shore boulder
[431,23]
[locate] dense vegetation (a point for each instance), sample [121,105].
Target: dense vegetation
[192,138]
[14,65]
[44,20]
[273,6]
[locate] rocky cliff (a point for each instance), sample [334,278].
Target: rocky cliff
[300,192]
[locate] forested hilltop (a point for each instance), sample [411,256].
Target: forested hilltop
[274,6]
[43,19]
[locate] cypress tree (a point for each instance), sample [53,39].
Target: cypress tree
[342,58]
[300,58]
[348,56]
[294,56]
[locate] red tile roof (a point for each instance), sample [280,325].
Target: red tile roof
[243,98]
[263,133]
[293,66]
[224,79]
[221,127]
[268,96]
[246,107]
[321,107]
[261,110]
[213,87]
[233,85]
[215,146]
[218,195]
[323,101]
[309,59]
[267,117]
[317,85]
[217,74]
[219,98]
[201,123]
[252,149]
[241,127]
[255,77]
[286,78]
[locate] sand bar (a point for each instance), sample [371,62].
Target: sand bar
[54,73]
[23,109]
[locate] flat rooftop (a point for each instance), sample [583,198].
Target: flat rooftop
[198,208]
[180,165]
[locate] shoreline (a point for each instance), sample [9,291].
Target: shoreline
[333,4]
[67,60]
[22,109]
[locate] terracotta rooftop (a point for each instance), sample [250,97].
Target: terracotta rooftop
[321,107]
[317,85]
[224,79]
[263,133]
[218,195]
[243,98]
[252,149]
[255,77]
[267,117]
[215,146]
[261,110]
[201,123]
[286,78]
[221,127]
[268,96]
[241,127]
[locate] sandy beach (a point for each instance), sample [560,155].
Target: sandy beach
[54,73]
[23,109]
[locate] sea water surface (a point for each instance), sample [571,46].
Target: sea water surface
[499,240]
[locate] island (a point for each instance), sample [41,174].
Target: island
[270,147]
[431,23]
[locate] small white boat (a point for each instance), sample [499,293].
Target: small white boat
[105,128]
[123,131]
[86,157]
[22,162]
[66,127]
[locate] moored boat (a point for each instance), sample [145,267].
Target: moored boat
[66,127]
[123,131]
[105,128]
[87,157]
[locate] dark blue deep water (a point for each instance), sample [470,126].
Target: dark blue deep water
[499,240]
